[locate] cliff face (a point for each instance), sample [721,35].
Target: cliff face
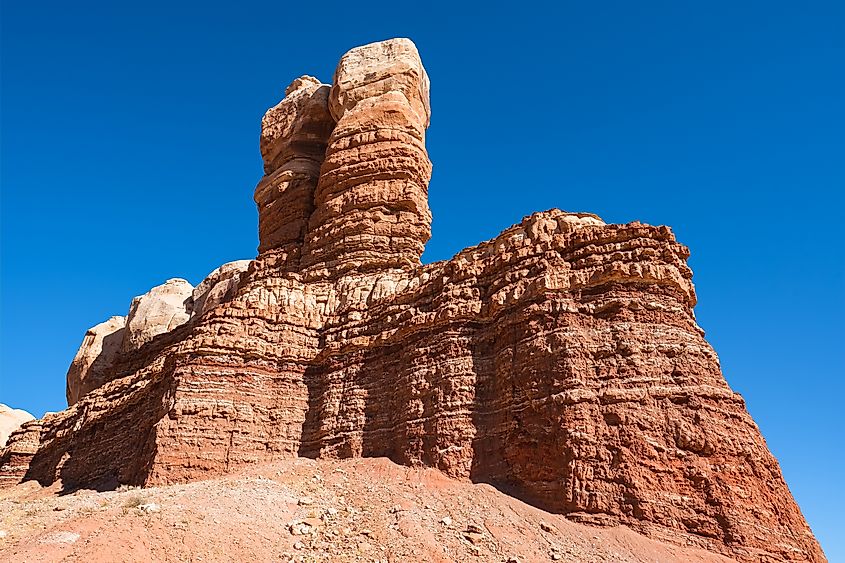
[560,361]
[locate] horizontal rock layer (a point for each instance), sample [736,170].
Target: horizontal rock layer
[371,203]
[157,312]
[294,135]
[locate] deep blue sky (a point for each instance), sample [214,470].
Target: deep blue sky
[130,153]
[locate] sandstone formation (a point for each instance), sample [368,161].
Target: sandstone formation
[371,202]
[98,352]
[218,287]
[158,311]
[294,135]
[560,361]
[10,420]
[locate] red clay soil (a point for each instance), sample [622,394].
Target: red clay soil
[305,510]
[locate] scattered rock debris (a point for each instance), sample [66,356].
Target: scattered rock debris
[324,511]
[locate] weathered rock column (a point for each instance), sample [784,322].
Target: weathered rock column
[294,135]
[371,203]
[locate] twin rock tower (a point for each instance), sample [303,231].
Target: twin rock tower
[560,360]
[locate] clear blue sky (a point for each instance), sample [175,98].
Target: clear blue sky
[130,153]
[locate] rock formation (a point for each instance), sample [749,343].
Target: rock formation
[10,420]
[560,361]
[158,311]
[371,202]
[91,366]
[294,135]
[217,287]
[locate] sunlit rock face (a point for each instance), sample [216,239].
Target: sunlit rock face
[560,360]
[10,420]
[92,365]
[157,312]
[371,203]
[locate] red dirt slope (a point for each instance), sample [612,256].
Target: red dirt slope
[304,510]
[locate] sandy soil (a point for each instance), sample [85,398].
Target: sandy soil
[304,510]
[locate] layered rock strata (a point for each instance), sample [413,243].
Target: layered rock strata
[157,312]
[371,202]
[560,361]
[294,135]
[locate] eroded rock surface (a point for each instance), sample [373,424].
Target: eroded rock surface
[160,310]
[294,135]
[219,286]
[10,420]
[93,362]
[157,312]
[371,203]
[560,361]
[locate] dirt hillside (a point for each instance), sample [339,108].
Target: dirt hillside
[303,510]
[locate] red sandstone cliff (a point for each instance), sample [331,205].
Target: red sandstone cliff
[560,361]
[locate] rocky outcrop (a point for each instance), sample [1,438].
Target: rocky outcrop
[294,135]
[160,310]
[157,312]
[91,366]
[560,361]
[10,420]
[218,287]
